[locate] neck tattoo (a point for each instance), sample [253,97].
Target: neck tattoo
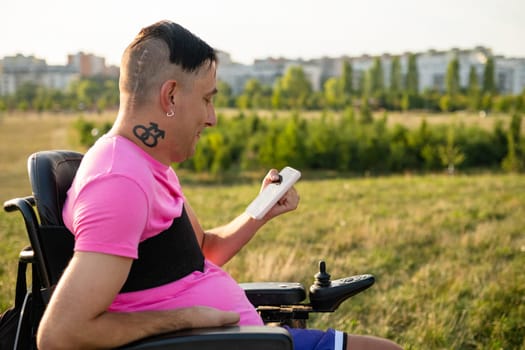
[149,136]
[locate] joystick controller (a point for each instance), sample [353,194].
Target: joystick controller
[322,278]
[326,295]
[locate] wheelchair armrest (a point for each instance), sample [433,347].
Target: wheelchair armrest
[25,205]
[223,338]
[14,204]
[328,298]
[27,255]
[274,293]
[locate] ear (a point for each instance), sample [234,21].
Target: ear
[167,92]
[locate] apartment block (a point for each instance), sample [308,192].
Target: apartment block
[432,69]
[87,65]
[19,69]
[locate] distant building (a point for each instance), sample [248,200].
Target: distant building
[18,70]
[89,65]
[236,74]
[432,69]
[510,75]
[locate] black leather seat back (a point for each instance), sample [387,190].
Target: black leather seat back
[51,174]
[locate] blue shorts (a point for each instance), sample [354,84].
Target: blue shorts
[313,339]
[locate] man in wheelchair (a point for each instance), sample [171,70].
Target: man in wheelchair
[142,264]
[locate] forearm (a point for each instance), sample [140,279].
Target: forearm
[222,243]
[110,330]
[76,317]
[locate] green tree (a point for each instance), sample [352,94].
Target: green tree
[220,150]
[503,103]
[266,150]
[449,153]
[322,142]
[405,102]
[26,94]
[513,161]
[445,103]
[111,92]
[486,101]
[333,93]
[366,84]
[361,83]
[394,90]
[396,77]
[277,95]
[224,96]
[421,146]
[365,116]
[90,131]
[377,84]
[473,90]
[3,104]
[515,127]
[254,94]
[347,82]
[87,92]
[290,144]
[520,102]
[295,87]
[43,101]
[431,99]
[412,77]
[452,78]
[489,85]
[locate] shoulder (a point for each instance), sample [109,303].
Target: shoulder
[115,156]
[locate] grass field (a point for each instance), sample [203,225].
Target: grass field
[448,252]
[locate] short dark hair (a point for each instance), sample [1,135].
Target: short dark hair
[159,50]
[186,49]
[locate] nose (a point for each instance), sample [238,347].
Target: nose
[212,117]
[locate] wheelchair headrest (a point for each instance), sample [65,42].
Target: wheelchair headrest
[51,174]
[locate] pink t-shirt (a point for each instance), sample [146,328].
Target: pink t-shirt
[122,196]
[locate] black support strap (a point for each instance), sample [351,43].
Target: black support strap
[166,257]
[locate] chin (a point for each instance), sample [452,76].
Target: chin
[178,159]
[190,154]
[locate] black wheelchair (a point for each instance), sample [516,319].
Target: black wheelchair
[51,247]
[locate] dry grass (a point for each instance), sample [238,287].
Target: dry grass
[411,119]
[447,251]
[444,250]
[23,134]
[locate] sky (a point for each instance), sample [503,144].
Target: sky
[250,29]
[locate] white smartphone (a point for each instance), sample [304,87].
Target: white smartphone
[271,194]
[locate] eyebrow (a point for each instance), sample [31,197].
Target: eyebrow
[213,92]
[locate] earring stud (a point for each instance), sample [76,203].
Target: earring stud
[170,113]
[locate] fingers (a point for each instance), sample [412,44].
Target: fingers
[274,176]
[287,203]
[290,200]
[229,318]
[203,316]
[271,176]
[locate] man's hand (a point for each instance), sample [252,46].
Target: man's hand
[203,316]
[221,243]
[287,203]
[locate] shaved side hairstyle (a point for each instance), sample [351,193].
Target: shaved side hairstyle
[161,51]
